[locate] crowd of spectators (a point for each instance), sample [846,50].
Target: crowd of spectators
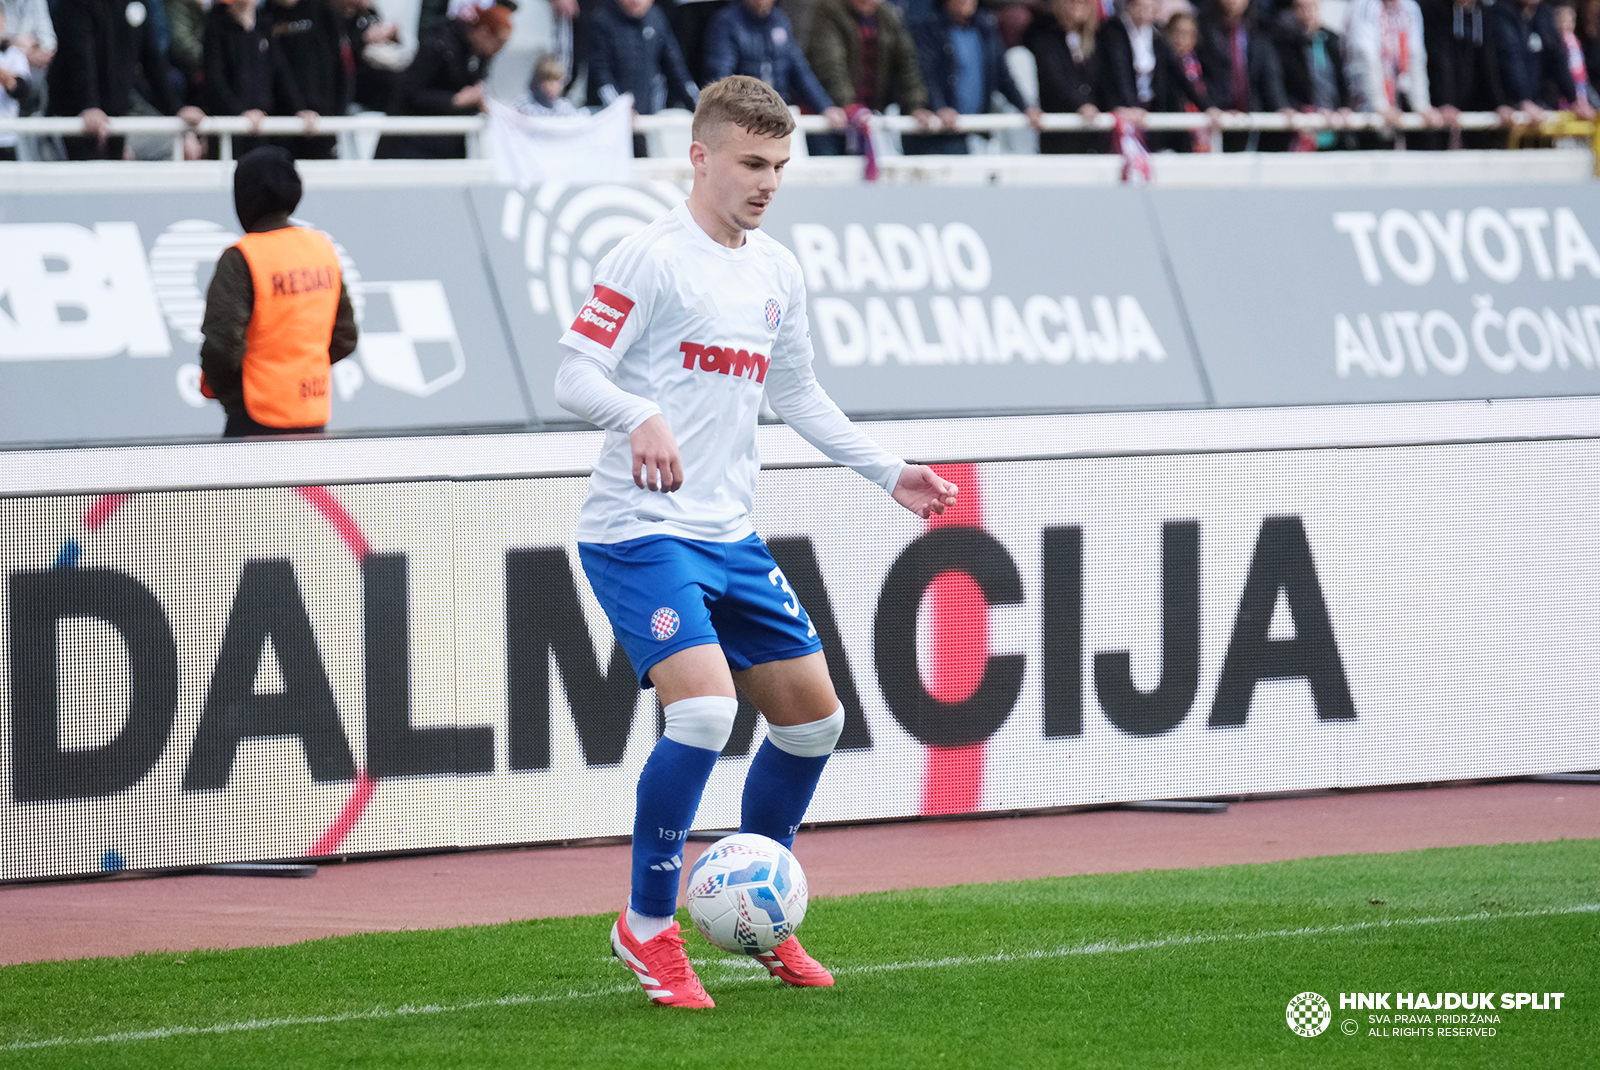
[933,60]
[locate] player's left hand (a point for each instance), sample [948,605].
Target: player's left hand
[923,491]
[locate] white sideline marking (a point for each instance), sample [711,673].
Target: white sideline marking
[319,1019]
[1113,947]
[734,973]
[1099,948]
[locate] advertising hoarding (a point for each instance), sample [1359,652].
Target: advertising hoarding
[923,300]
[102,298]
[208,675]
[1325,296]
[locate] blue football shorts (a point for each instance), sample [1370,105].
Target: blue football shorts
[664,594]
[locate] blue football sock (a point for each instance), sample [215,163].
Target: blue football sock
[777,790]
[670,787]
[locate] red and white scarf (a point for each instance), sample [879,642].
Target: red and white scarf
[1395,49]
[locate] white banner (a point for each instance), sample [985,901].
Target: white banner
[528,149]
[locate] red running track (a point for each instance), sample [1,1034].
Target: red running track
[120,916]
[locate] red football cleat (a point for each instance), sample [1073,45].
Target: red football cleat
[789,963]
[662,966]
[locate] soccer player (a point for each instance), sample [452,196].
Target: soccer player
[691,320]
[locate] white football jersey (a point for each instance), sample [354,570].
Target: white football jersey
[693,326]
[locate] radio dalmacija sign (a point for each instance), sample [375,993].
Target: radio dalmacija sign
[922,300]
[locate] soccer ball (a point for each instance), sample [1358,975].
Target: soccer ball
[747,894]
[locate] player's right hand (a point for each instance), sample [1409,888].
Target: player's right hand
[656,465]
[924,491]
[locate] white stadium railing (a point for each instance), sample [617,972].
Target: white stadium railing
[996,123]
[472,127]
[228,127]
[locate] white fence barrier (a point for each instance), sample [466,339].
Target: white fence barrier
[227,127]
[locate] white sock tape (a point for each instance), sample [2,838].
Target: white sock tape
[811,740]
[701,722]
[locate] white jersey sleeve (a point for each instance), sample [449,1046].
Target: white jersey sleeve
[584,388]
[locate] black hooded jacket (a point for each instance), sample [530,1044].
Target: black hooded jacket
[444,65]
[373,86]
[308,35]
[105,50]
[243,72]
[1463,59]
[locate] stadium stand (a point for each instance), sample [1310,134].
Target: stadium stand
[334,78]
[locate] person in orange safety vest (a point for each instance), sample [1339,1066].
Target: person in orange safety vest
[278,315]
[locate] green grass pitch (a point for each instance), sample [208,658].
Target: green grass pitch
[1154,969]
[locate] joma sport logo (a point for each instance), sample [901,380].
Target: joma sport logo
[725,360]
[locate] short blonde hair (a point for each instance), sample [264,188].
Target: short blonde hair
[548,68]
[744,101]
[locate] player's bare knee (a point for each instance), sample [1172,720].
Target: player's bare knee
[704,722]
[811,740]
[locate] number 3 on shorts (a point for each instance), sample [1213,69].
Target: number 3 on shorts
[778,579]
